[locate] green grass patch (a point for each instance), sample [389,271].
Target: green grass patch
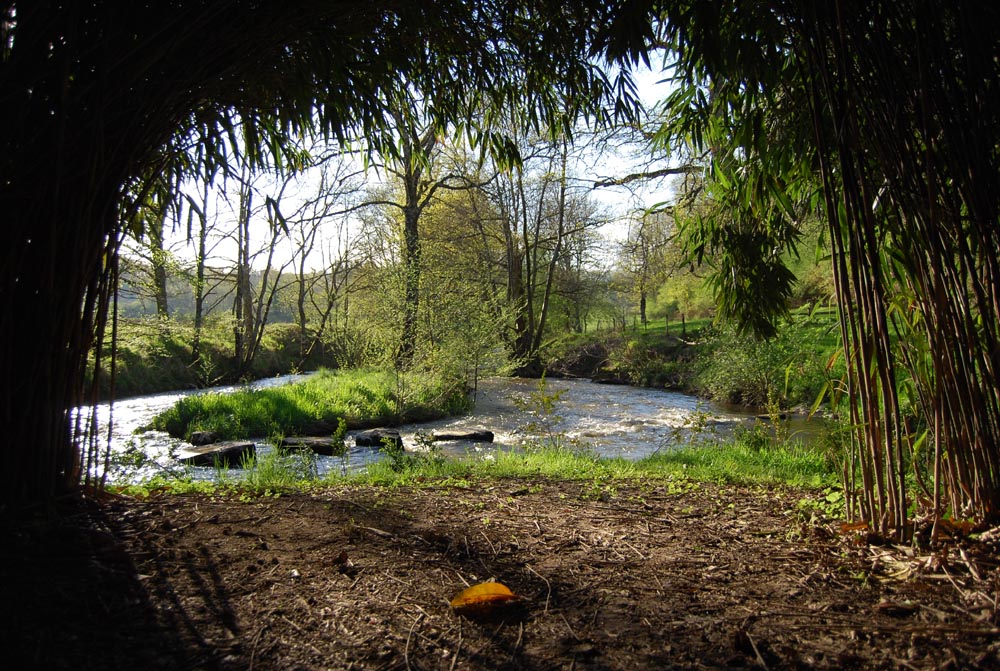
[741,464]
[155,355]
[736,462]
[314,406]
[753,458]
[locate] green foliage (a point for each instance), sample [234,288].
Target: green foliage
[683,295]
[279,470]
[794,369]
[650,361]
[399,463]
[156,354]
[315,405]
[791,368]
[826,504]
[752,457]
[541,404]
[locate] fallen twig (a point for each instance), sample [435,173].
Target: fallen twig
[409,636]
[548,587]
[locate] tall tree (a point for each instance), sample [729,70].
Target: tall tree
[416,168]
[644,255]
[198,208]
[99,96]
[328,204]
[536,215]
[252,302]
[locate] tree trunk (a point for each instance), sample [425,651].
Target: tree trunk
[158,257]
[243,300]
[550,273]
[411,282]
[199,282]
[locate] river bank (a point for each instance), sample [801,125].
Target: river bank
[647,576]
[713,362]
[603,421]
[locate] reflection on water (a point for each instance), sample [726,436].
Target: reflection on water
[158,448]
[610,420]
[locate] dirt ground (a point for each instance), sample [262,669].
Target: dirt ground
[639,576]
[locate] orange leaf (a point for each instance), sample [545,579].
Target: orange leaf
[479,600]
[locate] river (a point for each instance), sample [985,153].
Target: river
[610,420]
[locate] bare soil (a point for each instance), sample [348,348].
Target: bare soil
[639,576]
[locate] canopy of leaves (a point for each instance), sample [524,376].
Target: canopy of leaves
[189,72]
[101,98]
[738,109]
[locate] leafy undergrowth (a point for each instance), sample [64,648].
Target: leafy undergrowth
[645,576]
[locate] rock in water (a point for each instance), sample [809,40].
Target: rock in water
[378,438]
[203,438]
[475,435]
[318,444]
[229,453]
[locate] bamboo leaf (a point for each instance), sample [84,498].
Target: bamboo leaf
[274,216]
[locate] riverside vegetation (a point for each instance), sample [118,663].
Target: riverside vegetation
[757,454]
[790,370]
[361,398]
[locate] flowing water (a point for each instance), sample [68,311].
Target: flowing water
[610,420]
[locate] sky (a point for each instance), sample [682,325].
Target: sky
[620,203]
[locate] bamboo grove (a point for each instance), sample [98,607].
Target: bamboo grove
[101,100]
[878,115]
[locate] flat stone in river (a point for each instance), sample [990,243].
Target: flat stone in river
[230,452]
[318,444]
[378,438]
[476,435]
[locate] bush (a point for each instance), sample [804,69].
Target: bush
[792,368]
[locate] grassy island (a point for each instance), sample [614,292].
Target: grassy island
[314,406]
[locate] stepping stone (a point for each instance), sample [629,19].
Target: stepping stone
[318,444]
[476,435]
[377,438]
[230,453]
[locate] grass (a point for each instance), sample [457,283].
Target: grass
[743,461]
[156,355]
[791,369]
[716,362]
[739,464]
[751,458]
[364,397]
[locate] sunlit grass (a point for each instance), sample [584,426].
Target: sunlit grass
[797,466]
[734,462]
[753,458]
[279,471]
[362,397]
